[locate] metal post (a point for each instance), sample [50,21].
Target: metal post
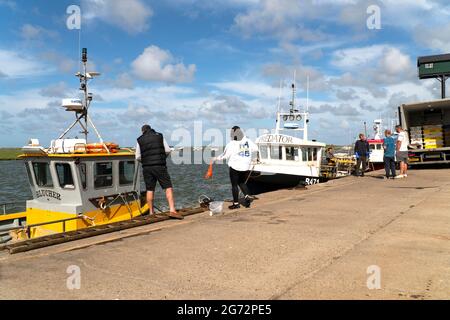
[443,79]
[98,134]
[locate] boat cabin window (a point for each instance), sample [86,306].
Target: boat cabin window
[64,173]
[309,154]
[314,154]
[377,146]
[103,176]
[83,174]
[292,154]
[30,177]
[126,172]
[42,174]
[263,152]
[276,152]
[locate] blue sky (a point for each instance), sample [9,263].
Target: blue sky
[170,63]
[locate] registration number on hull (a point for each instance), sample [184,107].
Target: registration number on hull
[311,181]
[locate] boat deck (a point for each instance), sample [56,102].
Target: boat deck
[292,244]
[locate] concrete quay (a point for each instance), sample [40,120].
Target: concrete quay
[292,244]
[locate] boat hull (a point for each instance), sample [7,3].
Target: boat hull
[261,182]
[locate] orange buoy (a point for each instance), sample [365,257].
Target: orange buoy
[209,173]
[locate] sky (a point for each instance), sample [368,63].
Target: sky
[174,62]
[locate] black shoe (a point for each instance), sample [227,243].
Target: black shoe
[247,202]
[234,206]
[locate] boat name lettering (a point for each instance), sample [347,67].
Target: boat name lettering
[277,138]
[48,194]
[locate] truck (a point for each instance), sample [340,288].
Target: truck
[428,127]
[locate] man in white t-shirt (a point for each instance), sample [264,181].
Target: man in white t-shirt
[402,151]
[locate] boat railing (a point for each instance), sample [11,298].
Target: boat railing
[27,228]
[15,206]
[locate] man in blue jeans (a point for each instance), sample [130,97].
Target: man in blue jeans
[389,154]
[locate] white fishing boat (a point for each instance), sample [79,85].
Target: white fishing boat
[287,159]
[376,146]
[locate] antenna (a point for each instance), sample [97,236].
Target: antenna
[279,98]
[292,103]
[307,93]
[81,107]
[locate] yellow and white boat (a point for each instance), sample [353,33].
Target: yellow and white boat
[76,184]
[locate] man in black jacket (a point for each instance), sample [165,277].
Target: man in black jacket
[152,150]
[362,151]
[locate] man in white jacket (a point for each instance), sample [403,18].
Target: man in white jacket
[238,153]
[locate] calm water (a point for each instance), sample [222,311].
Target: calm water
[188,182]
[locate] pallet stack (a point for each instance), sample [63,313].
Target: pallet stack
[415,135]
[433,136]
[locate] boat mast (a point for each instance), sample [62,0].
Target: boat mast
[82,116]
[307,93]
[292,103]
[84,88]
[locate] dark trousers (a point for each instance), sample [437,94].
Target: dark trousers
[238,179]
[359,161]
[389,166]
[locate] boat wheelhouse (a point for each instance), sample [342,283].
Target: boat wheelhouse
[376,157]
[80,190]
[287,160]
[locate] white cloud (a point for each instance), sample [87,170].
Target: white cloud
[24,99]
[29,31]
[124,80]
[379,64]
[8,3]
[33,32]
[63,63]
[279,19]
[436,38]
[154,64]
[248,88]
[357,57]
[395,62]
[130,15]
[17,65]
[57,90]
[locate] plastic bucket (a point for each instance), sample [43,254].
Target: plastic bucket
[215,207]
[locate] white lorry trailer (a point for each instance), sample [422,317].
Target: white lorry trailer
[428,126]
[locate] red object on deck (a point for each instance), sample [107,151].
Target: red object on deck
[209,174]
[372,141]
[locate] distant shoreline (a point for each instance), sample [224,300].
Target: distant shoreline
[8,154]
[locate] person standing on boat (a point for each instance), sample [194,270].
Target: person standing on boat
[362,151]
[238,153]
[402,151]
[152,151]
[330,155]
[389,154]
